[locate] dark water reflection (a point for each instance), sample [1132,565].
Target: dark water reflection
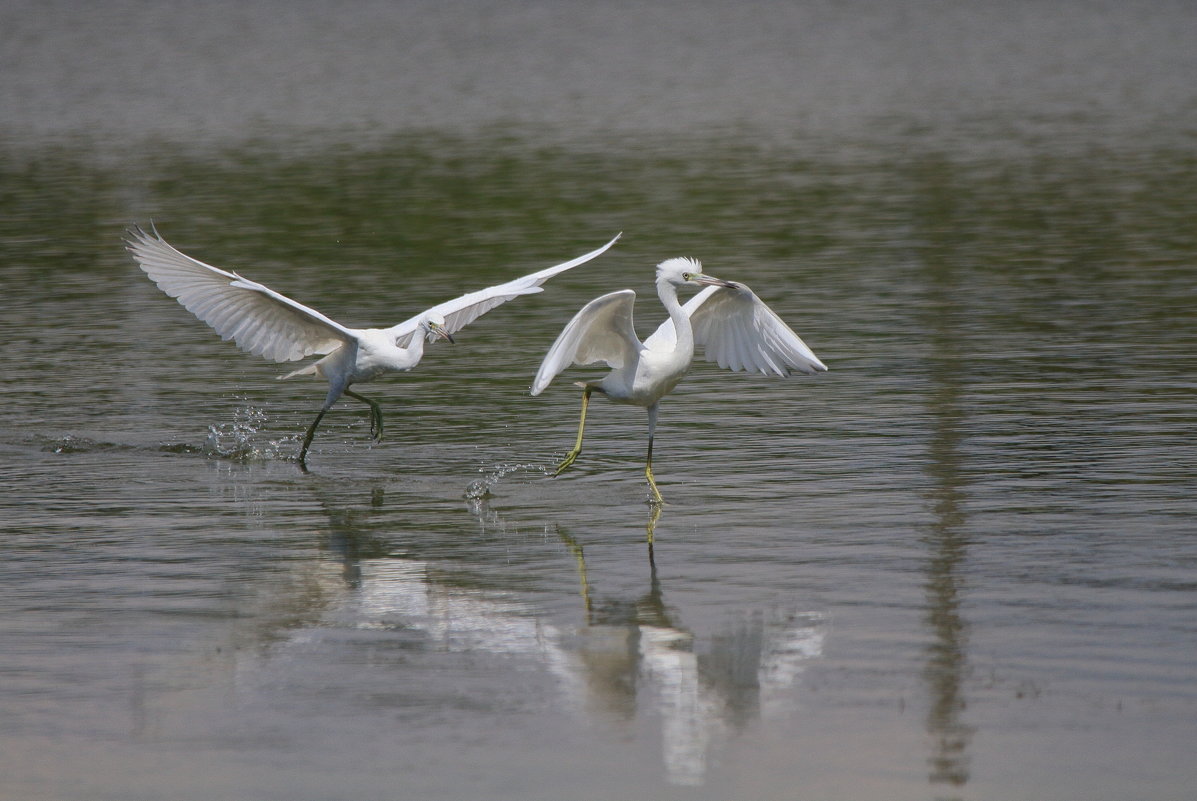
[960,564]
[946,668]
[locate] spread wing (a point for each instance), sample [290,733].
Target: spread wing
[462,311]
[739,332]
[601,332]
[258,319]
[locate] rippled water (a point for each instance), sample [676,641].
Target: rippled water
[960,564]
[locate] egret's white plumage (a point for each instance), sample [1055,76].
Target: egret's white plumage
[739,332]
[269,324]
[734,327]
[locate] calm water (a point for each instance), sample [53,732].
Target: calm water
[959,565]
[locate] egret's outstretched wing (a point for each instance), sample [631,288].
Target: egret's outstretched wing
[460,312]
[258,319]
[601,332]
[739,332]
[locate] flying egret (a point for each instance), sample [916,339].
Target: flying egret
[735,327]
[269,324]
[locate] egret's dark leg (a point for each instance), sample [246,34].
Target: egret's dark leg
[573,455]
[375,414]
[307,438]
[648,467]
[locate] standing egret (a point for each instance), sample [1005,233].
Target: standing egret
[268,324]
[735,327]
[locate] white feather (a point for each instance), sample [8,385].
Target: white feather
[738,331]
[462,311]
[260,320]
[601,331]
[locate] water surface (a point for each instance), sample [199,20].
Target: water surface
[960,564]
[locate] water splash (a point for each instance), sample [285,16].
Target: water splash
[238,439]
[479,490]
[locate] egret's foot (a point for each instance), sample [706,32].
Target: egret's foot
[653,516]
[375,414]
[307,440]
[655,498]
[570,458]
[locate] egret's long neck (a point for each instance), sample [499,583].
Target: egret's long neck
[415,349]
[681,321]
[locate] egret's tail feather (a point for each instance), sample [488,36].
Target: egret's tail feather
[309,370]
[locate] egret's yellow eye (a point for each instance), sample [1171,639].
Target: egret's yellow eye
[688,276]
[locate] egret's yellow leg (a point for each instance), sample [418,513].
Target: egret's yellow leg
[572,456]
[375,414]
[651,528]
[656,500]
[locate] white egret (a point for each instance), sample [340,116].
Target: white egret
[269,324]
[735,327]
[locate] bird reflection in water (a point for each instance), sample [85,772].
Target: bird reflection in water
[630,658]
[637,654]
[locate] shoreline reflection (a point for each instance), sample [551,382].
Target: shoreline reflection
[946,658]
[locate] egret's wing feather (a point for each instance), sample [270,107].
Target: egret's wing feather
[601,332]
[739,332]
[258,319]
[462,311]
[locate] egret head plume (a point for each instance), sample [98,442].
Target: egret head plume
[680,271]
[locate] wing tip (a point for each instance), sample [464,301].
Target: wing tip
[541,382]
[140,234]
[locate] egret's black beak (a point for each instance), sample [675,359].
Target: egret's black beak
[710,280]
